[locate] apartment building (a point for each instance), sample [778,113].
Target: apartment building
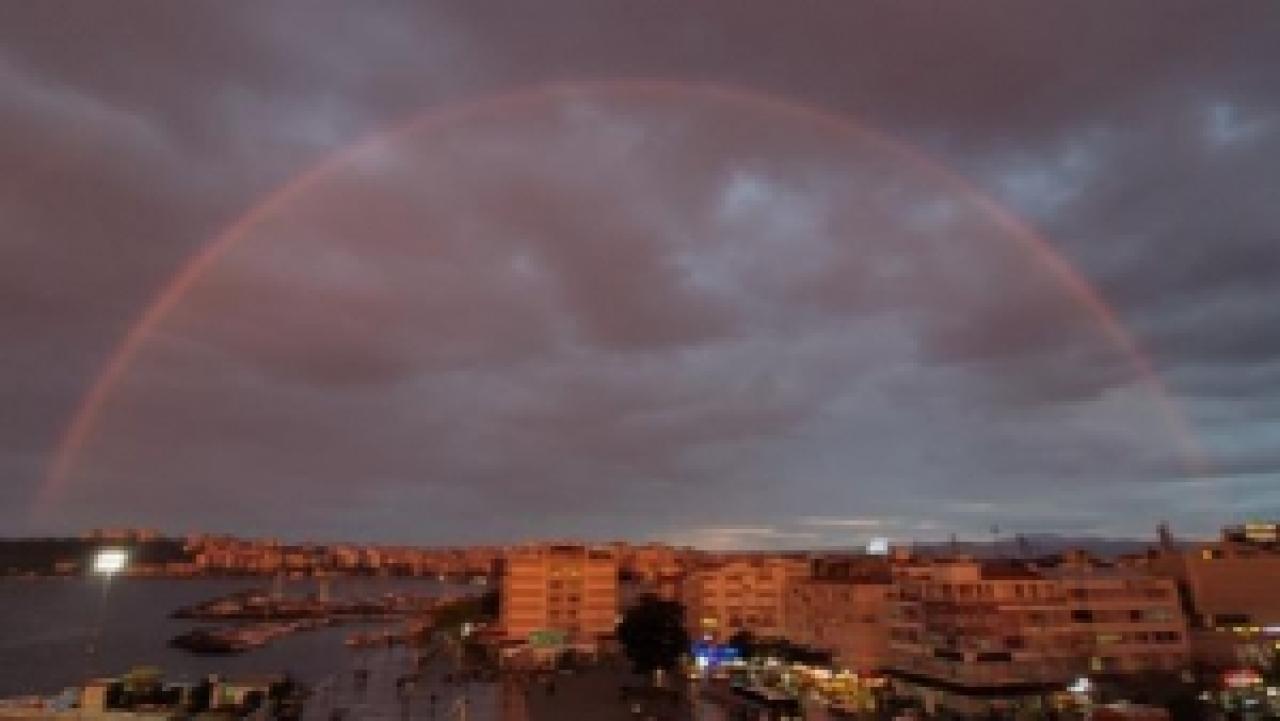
[654,569]
[845,615]
[1130,620]
[567,589]
[969,635]
[1231,590]
[749,595]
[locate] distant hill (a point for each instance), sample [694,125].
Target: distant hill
[1040,544]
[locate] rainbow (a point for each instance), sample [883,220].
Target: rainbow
[86,415]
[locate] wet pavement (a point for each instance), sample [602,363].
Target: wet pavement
[391,685]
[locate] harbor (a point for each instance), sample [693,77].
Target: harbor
[276,605]
[55,633]
[259,618]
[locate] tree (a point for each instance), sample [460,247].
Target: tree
[568,660]
[252,702]
[652,634]
[490,605]
[201,696]
[470,609]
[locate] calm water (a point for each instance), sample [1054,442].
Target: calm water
[46,624]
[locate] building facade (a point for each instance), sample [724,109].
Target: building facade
[561,589]
[653,570]
[970,635]
[967,635]
[1231,590]
[844,616]
[739,595]
[1131,621]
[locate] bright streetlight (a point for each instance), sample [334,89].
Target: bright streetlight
[110,561]
[107,563]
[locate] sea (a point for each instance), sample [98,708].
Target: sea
[48,627]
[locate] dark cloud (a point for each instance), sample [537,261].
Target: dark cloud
[642,315]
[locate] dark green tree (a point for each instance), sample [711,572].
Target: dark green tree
[652,634]
[569,660]
[490,605]
[252,702]
[201,696]
[472,609]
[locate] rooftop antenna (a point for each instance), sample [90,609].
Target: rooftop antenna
[1024,545]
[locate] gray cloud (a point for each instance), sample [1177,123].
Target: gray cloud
[626,316]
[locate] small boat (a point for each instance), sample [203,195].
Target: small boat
[211,642]
[359,640]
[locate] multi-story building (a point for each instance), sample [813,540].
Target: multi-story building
[739,595]
[970,635]
[1132,621]
[845,615]
[1231,590]
[567,589]
[652,570]
[1256,533]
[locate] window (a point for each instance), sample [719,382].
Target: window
[1231,619]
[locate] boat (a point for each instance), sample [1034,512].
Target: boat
[211,642]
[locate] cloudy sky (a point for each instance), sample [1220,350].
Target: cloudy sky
[725,273]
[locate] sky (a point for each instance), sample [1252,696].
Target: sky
[733,274]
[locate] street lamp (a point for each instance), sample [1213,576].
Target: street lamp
[107,563]
[110,561]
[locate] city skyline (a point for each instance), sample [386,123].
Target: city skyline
[442,276]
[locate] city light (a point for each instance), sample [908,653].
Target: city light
[110,561]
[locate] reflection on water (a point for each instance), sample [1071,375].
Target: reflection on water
[47,625]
